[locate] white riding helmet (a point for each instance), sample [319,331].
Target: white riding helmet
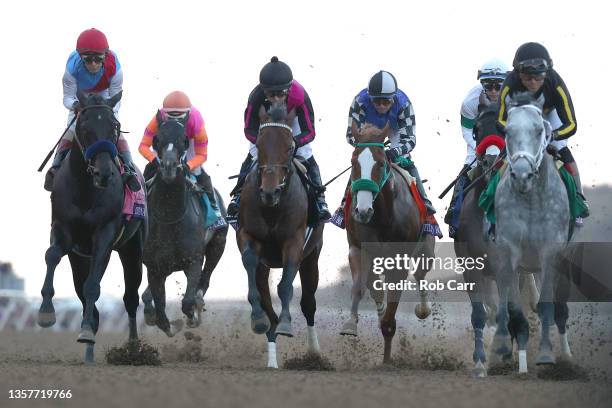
[493,69]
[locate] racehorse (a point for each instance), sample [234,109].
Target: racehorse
[87,222]
[273,232]
[533,221]
[178,238]
[382,210]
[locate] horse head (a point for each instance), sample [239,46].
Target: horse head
[275,151]
[370,170]
[489,140]
[526,140]
[97,134]
[171,144]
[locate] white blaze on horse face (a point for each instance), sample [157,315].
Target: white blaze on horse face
[170,147]
[366,163]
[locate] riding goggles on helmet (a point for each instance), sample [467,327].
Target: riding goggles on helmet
[533,66]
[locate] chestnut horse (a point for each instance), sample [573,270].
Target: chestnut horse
[382,210]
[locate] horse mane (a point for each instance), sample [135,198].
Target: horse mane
[522,99]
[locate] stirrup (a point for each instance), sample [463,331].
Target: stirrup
[579,222]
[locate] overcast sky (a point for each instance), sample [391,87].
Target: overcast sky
[214,53]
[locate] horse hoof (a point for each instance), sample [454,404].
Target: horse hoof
[193,323]
[86,336]
[545,358]
[284,329]
[150,319]
[46,319]
[260,325]
[501,349]
[422,311]
[480,371]
[349,329]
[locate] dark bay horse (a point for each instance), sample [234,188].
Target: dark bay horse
[273,233]
[178,238]
[472,238]
[87,201]
[383,211]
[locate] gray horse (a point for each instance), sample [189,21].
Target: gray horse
[533,219]
[178,239]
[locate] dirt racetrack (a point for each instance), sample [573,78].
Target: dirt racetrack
[225,368]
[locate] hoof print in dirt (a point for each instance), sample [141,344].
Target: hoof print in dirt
[309,362]
[134,352]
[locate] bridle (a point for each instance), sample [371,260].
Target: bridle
[101,145]
[533,160]
[287,167]
[368,184]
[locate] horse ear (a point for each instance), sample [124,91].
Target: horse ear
[263,115]
[114,100]
[291,117]
[386,130]
[354,130]
[159,117]
[81,97]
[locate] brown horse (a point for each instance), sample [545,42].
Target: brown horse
[273,232]
[382,211]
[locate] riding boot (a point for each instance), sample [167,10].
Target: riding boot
[60,155]
[130,177]
[204,181]
[338,217]
[315,176]
[459,186]
[415,173]
[234,205]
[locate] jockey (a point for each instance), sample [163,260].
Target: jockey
[92,69]
[276,85]
[177,106]
[381,103]
[491,76]
[533,72]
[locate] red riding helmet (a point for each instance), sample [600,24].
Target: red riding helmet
[92,41]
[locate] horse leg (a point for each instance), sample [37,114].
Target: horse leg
[214,251]
[377,295]
[157,283]
[478,319]
[562,289]
[546,314]
[263,272]
[60,244]
[80,270]
[519,329]
[193,273]
[101,250]
[357,291]
[250,250]
[423,309]
[131,260]
[149,310]
[501,347]
[309,277]
[292,254]
[387,327]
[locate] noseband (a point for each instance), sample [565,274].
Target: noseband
[368,184]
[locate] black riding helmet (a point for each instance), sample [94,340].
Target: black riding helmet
[532,58]
[275,76]
[382,85]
